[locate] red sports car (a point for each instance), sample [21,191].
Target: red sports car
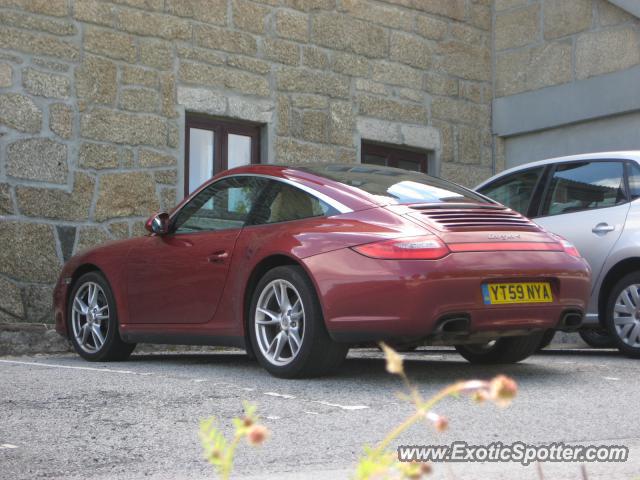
[297,264]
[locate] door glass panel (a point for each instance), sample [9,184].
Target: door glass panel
[222,205]
[200,157]
[514,191]
[585,186]
[239,150]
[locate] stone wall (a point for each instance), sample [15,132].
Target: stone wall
[93,97]
[545,43]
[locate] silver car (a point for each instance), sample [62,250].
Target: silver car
[592,200]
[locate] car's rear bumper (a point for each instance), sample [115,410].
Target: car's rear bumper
[365,299]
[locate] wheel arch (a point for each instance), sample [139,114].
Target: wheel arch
[77,273]
[619,270]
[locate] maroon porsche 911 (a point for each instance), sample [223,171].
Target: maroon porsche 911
[297,264]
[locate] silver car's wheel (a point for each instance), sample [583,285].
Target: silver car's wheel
[90,317]
[279,322]
[622,315]
[626,316]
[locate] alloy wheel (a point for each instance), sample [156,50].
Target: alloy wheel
[626,316]
[90,317]
[279,322]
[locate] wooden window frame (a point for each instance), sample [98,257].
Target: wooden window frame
[221,130]
[393,154]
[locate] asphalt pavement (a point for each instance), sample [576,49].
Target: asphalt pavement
[64,418]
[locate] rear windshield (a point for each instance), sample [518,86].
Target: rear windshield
[394,185]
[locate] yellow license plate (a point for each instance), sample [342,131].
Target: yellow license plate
[501,293]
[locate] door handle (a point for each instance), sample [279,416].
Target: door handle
[218,257]
[603,228]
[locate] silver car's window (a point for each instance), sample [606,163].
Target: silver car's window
[220,206]
[634,180]
[580,186]
[515,190]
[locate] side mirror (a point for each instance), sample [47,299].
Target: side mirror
[158,224]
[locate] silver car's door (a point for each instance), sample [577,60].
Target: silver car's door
[586,202]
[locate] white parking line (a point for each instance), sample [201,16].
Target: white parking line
[7,445]
[343,407]
[611,378]
[197,380]
[281,395]
[321,402]
[52,365]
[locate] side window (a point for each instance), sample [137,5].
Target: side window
[515,190]
[283,203]
[585,186]
[222,205]
[634,180]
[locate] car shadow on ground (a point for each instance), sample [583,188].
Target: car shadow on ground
[609,352]
[431,366]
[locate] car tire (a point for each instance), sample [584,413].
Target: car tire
[287,329]
[92,321]
[623,316]
[502,350]
[598,338]
[547,338]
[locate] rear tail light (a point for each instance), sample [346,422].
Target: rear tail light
[426,247]
[568,247]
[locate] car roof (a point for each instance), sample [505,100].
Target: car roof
[620,155]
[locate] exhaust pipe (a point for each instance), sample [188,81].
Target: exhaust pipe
[454,324]
[571,320]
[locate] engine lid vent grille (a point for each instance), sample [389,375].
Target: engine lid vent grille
[451,218]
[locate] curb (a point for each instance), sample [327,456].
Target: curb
[30,338]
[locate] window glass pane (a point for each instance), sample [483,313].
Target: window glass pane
[200,157]
[585,185]
[285,202]
[374,159]
[390,156]
[412,165]
[239,152]
[514,191]
[222,205]
[395,185]
[634,180]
